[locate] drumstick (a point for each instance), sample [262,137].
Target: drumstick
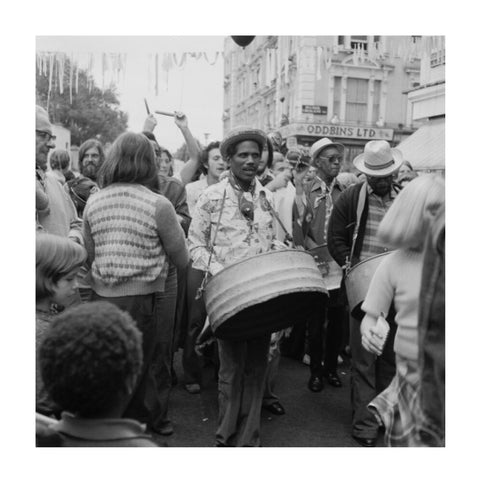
[146,106]
[161,112]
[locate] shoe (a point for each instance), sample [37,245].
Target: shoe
[365,442]
[332,379]
[315,384]
[276,408]
[164,429]
[192,388]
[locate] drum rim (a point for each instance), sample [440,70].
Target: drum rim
[273,251]
[367,260]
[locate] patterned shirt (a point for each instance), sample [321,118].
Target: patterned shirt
[377,208]
[194,190]
[237,237]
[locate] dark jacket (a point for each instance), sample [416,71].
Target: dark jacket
[313,226]
[342,226]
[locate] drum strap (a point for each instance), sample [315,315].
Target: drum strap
[201,289]
[274,213]
[360,207]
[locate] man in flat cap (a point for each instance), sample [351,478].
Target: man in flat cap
[351,239]
[230,223]
[55,211]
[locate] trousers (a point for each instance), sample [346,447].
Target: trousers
[370,375]
[157,399]
[142,310]
[241,379]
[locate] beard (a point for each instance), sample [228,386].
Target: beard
[90,172]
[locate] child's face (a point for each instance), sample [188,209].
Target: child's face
[65,289]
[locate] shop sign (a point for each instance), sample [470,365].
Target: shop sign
[335,130]
[315,109]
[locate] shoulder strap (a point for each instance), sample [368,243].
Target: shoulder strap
[360,207]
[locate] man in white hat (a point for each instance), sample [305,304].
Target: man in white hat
[351,239]
[312,212]
[55,211]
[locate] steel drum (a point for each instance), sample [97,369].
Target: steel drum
[332,273]
[358,280]
[264,294]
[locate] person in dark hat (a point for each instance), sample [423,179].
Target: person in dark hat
[352,238]
[231,224]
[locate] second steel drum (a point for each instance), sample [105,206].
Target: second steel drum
[358,280]
[263,294]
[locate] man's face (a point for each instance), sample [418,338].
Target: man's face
[328,161]
[244,162]
[380,185]
[44,142]
[91,163]
[216,165]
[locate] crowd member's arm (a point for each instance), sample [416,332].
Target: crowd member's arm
[88,240]
[338,237]
[171,233]
[199,236]
[280,180]
[193,163]
[378,299]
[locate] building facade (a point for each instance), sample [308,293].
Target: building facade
[425,148]
[348,88]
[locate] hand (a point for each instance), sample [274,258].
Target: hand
[150,123]
[180,119]
[281,180]
[299,175]
[371,340]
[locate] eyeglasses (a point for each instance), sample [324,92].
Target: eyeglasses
[46,135]
[332,158]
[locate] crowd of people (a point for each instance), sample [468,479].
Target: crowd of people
[126,246]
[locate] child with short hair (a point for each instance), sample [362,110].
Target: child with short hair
[90,360]
[58,260]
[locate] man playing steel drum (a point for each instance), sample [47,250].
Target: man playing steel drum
[231,223]
[351,239]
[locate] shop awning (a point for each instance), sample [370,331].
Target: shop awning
[425,148]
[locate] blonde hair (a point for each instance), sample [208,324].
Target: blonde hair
[407,221]
[56,256]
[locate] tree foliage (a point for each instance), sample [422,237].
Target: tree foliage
[93,112]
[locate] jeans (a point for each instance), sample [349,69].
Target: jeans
[142,310]
[157,399]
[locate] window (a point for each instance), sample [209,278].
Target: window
[337,93]
[357,97]
[376,100]
[358,42]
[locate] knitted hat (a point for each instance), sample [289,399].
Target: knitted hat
[240,134]
[41,121]
[378,159]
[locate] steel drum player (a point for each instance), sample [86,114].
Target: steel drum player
[231,222]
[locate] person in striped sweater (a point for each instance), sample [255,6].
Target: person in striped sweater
[131,236]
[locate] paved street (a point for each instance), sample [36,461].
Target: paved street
[311,419]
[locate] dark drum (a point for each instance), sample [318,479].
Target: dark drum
[264,294]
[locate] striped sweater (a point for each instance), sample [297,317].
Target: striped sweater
[129,233]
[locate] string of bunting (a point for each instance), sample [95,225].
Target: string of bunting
[112,68]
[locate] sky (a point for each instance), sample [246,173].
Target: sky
[196,88]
